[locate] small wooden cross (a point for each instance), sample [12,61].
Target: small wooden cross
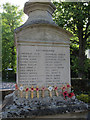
[37,91]
[56,92]
[32,90]
[21,88]
[27,90]
[50,88]
[43,91]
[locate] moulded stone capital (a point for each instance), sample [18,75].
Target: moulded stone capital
[33,6]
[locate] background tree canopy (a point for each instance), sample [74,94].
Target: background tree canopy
[74,17]
[11,19]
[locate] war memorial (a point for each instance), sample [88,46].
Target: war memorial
[43,67]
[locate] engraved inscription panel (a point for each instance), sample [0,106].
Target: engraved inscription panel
[43,66]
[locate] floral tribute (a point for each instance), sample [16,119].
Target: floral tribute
[16,87]
[21,88]
[26,90]
[37,91]
[50,88]
[32,90]
[66,92]
[56,90]
[71,94]
[43,91]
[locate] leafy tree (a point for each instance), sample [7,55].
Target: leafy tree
[74,17]
[11,19]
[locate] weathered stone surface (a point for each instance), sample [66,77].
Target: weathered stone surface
[42,48]
[28,108]
[8,100]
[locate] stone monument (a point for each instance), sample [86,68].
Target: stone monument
[43,55]
[43,65]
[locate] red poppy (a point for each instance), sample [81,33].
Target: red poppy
[55,88]
[71,94]
[32,89]
[27,89]
[63,88]
[68,86]
[16,86]
[37,89]
[65,94]
[43,88]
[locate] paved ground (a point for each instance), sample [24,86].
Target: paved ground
[68,115]
[65,116]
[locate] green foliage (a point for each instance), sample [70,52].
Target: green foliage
[83,97]
[11,19]
[74,17]
[87,68]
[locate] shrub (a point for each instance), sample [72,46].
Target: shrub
[83,97]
